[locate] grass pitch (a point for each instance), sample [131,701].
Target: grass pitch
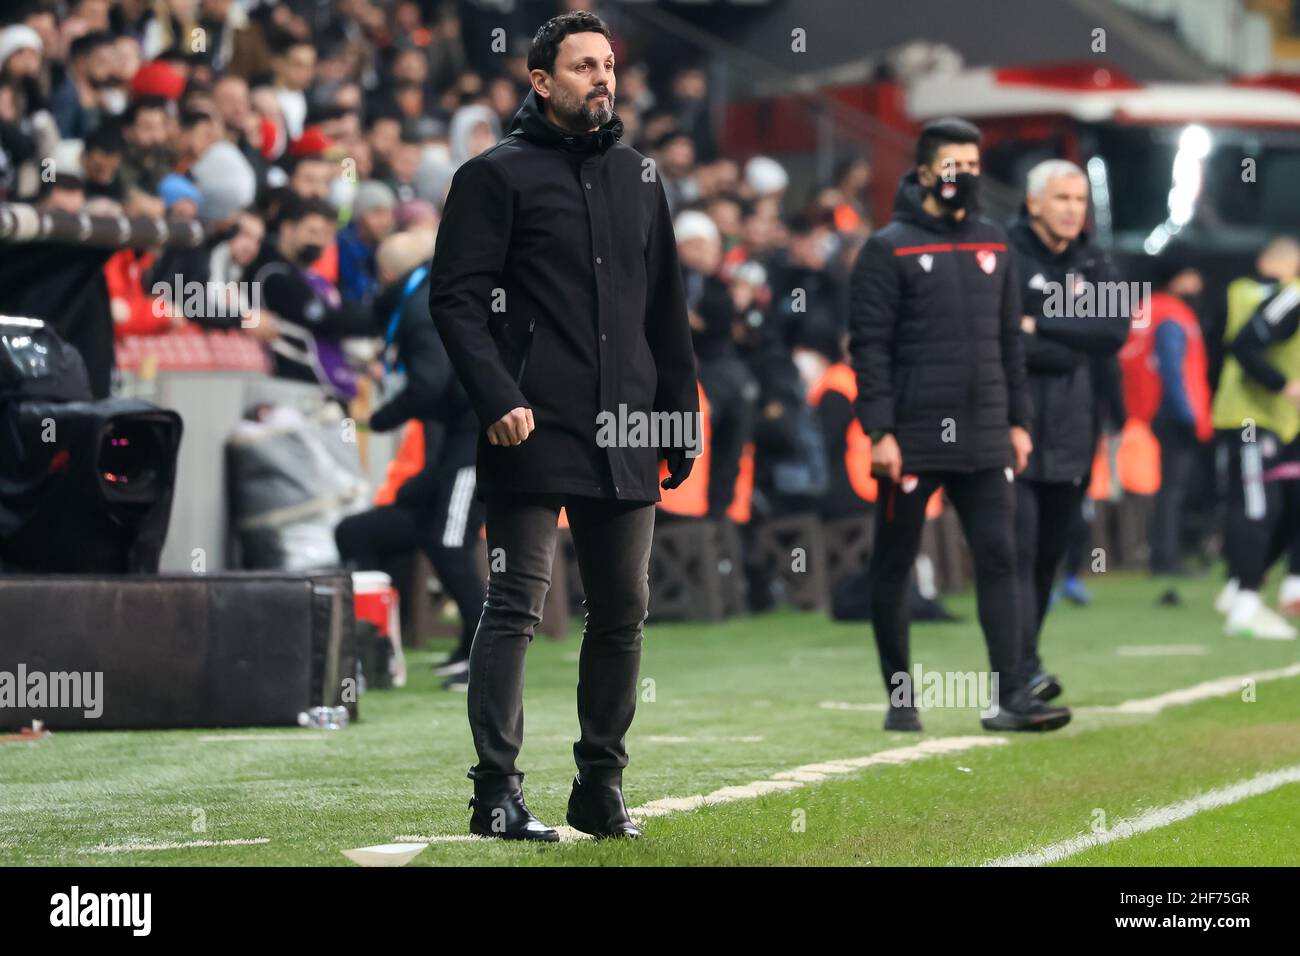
[732,704]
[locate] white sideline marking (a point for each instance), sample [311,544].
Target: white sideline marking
[136,847]
[670,739]
[1155,819]
[785,780]
[260,738]
[814,772]
[846,705]
[1219,687]
[1163,650]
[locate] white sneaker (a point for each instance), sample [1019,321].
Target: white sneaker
[1265,625]
[1223,603]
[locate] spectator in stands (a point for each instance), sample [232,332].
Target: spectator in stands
[79,103]
[149,154]
[726,380]
[64,192]
[371,223]
[101,158]
[293,66]
[27,130]
[311,318]
[674,156]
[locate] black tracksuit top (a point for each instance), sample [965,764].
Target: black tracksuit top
[1063,354]
[556,286]
[935,338]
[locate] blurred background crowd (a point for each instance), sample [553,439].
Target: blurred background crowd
[314,143]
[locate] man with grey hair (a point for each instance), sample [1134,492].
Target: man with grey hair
[1065,344]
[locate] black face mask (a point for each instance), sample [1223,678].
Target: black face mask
[961,193]
[309,253]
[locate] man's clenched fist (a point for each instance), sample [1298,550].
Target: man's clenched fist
[513,428]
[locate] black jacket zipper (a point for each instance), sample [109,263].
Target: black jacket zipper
[528,347]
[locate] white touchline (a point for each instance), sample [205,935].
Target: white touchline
[846,705]
[779,782]
[1219,687]
[137,847]
[1163,650]
[1155,819]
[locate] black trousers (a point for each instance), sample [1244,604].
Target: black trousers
[1263,513]
[612,540]
[984,503]
[445,527]
[1047,516]
[1178,447]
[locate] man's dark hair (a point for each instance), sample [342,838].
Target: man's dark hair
[296,208]
[943,132]
[541,55]
[380,114]
[192,118]
[140,105]
[106,137]
[89,42]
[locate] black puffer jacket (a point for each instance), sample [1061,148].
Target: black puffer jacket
[935,338]
[556,286]
[1062,352]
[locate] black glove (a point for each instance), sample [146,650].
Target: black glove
[679,467]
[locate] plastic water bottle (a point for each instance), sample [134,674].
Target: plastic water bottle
[324,718]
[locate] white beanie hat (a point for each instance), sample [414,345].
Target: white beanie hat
[225,180]
[765,175]
[693,224]
[17,37]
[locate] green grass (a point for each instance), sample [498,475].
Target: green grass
[401,769]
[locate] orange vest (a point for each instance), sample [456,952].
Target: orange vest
[691,497]
[857,446]
[1137,360]
[407,463]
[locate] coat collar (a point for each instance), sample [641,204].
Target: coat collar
[531,124]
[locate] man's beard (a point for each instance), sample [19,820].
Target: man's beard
[580,114]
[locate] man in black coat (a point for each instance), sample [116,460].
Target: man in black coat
[557,291]
[935,343]
[1066,295]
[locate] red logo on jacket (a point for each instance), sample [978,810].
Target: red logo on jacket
[988,260]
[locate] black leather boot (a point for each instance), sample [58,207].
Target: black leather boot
[596,807]
[500,811]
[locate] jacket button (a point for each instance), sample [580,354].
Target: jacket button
[599,260]
[602,336]
[588,185]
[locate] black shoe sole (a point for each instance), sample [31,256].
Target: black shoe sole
[1032,726]
[583,826]
[548,836]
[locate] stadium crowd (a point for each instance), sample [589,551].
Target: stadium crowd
[316,144]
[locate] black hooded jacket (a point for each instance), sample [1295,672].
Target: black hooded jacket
[1066,353]
[556,286]
[935,338]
